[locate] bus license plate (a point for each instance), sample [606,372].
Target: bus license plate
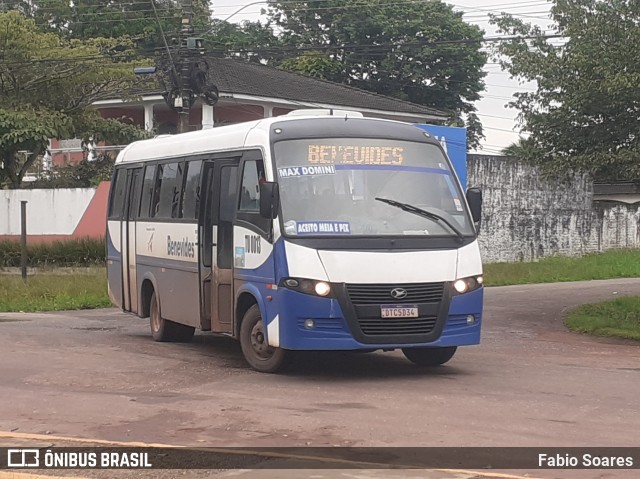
[399,311]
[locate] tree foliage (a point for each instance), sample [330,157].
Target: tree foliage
[252,41]
[583,115]
[82,175]
[120,18]
[422,52]
[46,87]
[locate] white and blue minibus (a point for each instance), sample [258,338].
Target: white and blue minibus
[319,230]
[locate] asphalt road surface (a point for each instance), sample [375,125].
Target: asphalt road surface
[98,374]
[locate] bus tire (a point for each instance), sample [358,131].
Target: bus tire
[164,330]
[259,355]
[429,356]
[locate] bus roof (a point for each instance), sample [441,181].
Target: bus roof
[233,137]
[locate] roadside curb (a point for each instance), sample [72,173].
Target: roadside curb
[102,442]
[24,475]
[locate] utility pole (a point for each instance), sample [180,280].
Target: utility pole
[185,35]
[183,70]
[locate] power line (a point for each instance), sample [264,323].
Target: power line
[523,4]
[406,2]
[119,20]
[310,9]
[164,38]
[427,43]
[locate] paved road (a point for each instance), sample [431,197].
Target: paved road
[97,374]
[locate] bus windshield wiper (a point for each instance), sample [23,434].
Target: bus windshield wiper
[425,214]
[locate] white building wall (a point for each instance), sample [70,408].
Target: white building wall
[49,211]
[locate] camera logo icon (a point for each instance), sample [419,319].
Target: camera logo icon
[23,458]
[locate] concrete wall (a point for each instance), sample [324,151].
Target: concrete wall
[527,217]
[55,213]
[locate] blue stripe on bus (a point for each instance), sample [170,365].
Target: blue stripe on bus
[416,169]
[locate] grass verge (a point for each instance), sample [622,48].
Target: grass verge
[68,252]
[618,318]
[82,288]
[85,288]
[612,264]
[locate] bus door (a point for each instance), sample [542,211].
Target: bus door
[220,178]
[128,240]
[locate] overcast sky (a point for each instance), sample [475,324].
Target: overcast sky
[498,120]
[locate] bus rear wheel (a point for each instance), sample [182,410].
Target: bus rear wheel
[253,341]
[164,330]
[429,356]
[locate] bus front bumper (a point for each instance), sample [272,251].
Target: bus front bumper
[307,322]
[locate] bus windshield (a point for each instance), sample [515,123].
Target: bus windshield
[337,186]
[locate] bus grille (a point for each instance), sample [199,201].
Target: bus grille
[383,327]
[366,300]
[361,294]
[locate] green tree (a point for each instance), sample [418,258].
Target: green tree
[253,41]
[46,87]
[119,18]
[523,149]
[82,175]
[583,116]
[421,52]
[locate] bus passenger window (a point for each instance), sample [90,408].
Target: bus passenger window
[191,192]
[252,176]
[155,196]
[117,195]
[170,190]
[147,190]
[228,186]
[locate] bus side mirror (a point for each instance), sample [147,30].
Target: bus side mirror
[474,199]
[269,200]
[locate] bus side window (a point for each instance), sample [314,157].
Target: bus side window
[147,190]
[116,202]
[191,190]
[170,191]
[252,176]
[249,201]
[155,194]
[134,194]
[226,213]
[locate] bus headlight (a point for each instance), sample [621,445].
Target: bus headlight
[465,285]
[460,286]
[322,288]
[307,286]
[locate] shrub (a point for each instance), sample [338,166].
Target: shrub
[71,252]
[85,174]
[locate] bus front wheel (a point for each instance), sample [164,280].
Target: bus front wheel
[165,330]
[429,356]
[253,341]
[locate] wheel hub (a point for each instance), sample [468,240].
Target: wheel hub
[259,342]
[155,320]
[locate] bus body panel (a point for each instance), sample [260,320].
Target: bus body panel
[252,255]
[164,256]
[303,262]
[389,266]
[469,262]
[168,252]
[114,263]
[332,329]
[255,274]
